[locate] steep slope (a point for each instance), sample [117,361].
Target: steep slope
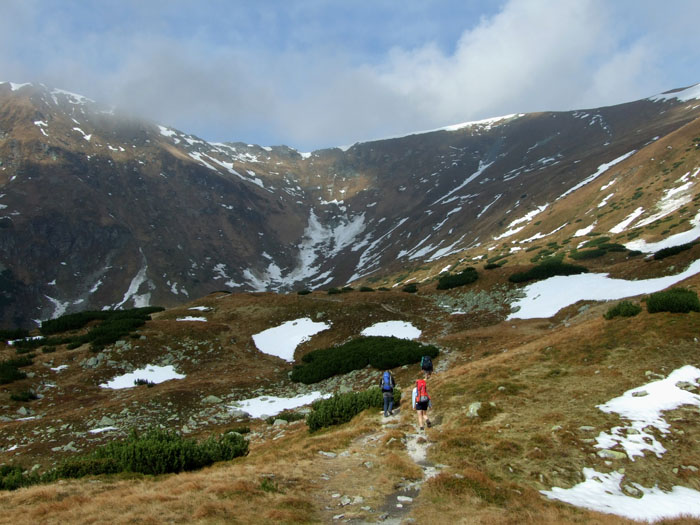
[104,211]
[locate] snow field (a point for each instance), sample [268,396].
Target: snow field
[642,407]
[152,373]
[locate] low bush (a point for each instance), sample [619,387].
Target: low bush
[379,352]
[10,369]
[491,266]
[547,268]
[334,291]
[154,452]
[23,396]
[287,415]
[673,250]
[79,320]
[13,477]
[366,289]
[341,408]
[9,335]
[588,254]
[623,309]
[304,292]
[410,288]
[466,276]
[677,300]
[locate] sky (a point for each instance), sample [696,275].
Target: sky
[320,73]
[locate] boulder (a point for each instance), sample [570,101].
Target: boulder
[210,400]
[473,410]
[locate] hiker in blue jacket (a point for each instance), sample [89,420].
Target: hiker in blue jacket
[387,384]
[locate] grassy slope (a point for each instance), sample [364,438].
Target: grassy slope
[538,373]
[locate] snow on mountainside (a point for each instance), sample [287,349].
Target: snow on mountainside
[102,210]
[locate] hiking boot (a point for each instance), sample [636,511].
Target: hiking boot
[422,429]
[429,423]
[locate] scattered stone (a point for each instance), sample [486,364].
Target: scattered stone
[210,400]
[640,393]
[345,500]
[280,422]
[366,508]
[684,385]
[611,454]
[404,499]
[586,428]
[556,427]
[22,411]
[632,491]
[336,495]
[106,422]
[691,468]
[473,410]
[344,454]
[338,517]
[357,500]
[327,454]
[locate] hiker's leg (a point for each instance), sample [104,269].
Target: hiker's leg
[391,403]
[386,405]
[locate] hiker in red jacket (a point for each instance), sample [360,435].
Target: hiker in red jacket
[422,401]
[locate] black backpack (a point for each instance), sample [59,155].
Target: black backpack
[426,363]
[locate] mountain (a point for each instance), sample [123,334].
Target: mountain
[103,211]
[546,409]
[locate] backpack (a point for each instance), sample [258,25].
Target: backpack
[426,363]
[421,391]
[386,382]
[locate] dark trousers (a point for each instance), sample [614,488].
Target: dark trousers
[388,402]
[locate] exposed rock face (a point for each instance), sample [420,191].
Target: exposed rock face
[100,211]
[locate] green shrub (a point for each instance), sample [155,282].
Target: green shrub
[13,477]
[547,268]
[677,300]
[333,291]
[410,288]
[9,335]
[588,254]
[623,309]
[78,320]
[673,250]
[466,276]
[341,408]
[595,242]
[154,452]
[379,352]
[347,289]
[24,395]
[304,292]
[48,350]
[10,369]
[287,415]
[491,266]
[366,289]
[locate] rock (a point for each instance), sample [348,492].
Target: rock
[31,375]
[338,517]
[366,508]
[236,413]
[345,500]
[556,427]
[106,422]
[280,422]
[344,389]
[404,499]
[368,464]
[586,428]
[640,393]
[327,454]
[91,363]
[691,468]
[22,411]
[632,491]
[683,385]
[473,410]
[357,500]
[611,454]
[210,400]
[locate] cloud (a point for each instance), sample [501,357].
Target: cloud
[228,71]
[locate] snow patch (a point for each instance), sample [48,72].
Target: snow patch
[282,340]
[151,373]
[399,329]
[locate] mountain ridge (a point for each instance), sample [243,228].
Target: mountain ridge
[142,203]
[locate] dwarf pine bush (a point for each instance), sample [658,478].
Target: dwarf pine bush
[466,276]
[341,408]
[672,250]
[677,300]
[153,452]
[547,268]
[379,352]
[623,309]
